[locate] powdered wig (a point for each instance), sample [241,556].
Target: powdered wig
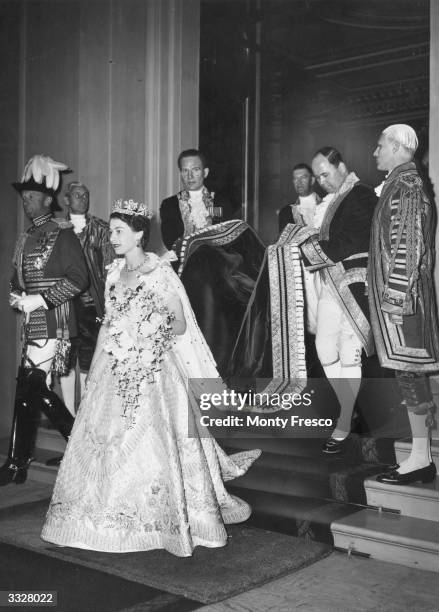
[404,134]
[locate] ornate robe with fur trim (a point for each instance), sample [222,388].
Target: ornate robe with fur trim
[400,279]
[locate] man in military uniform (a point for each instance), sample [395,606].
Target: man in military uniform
[49,272]
[401,295]
[94,236]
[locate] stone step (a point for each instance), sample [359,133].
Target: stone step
[286,447]
[298,516]
[405,540]
[269,480]
[318,465]
[347,484]
[295,447]
[418,500]
[50,439]
[403,447]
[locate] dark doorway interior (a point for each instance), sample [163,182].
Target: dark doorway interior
[281,78]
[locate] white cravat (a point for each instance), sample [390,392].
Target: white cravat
[78,222]
[320,211]
[307,206]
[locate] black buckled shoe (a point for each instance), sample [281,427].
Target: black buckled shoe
[425,474]
[334,447]
[13,471]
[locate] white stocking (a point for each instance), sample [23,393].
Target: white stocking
[420,455]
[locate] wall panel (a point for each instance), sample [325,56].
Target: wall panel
[9,89]
[110,87]
[128,99]
[51,75]
[94,134]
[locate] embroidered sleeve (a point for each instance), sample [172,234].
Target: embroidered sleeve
[314,256]
[407,247]
[106,247]
[73,270]
[14,284]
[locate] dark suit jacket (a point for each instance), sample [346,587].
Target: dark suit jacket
[285,217]
[171,223]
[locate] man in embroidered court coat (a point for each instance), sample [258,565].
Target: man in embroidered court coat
[50,271]
[194,207]
[94,236]
[339,251]
[218,257]
[401,293]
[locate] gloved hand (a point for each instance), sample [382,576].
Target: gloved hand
[14,298]
[40,166]
[29,303]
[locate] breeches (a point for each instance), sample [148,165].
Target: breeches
[84,344]
[41,353]
[311,289]
[335,338]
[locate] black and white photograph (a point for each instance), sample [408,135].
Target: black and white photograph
[219,305]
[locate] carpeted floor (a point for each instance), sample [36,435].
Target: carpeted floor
[79,588]
[251,558]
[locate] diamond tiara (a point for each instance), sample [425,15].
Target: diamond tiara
[130,207]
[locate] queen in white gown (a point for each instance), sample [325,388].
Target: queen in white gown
[139,473]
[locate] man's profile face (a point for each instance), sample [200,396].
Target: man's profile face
[78,200]
[303,182]
[385,153]
[35,204]
[192,173]
[330,177]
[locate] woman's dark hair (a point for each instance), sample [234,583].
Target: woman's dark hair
[332,155]
[138,223]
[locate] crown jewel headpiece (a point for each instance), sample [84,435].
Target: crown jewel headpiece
[130,207]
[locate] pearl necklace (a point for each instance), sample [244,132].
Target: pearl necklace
[135,268]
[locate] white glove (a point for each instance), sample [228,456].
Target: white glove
[29,303]
[40,166]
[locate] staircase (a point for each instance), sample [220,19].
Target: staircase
[409,533]
[293,487]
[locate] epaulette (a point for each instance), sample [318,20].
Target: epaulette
[410,180]
[62,223]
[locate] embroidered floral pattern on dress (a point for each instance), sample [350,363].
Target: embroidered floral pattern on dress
[137,347]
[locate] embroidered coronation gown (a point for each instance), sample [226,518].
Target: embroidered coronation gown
[132,477]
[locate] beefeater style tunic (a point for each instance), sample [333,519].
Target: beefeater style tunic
[49,260]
